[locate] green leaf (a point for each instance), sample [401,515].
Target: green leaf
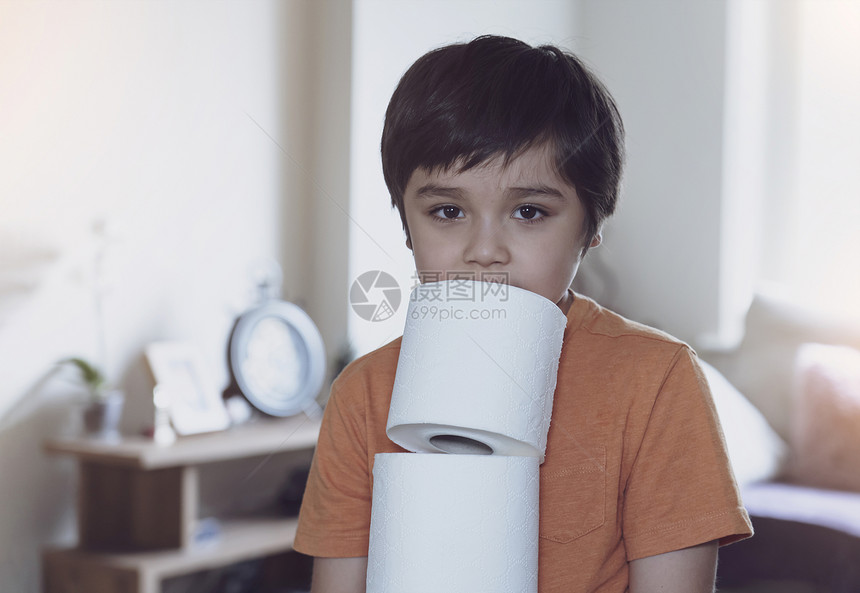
[90,375]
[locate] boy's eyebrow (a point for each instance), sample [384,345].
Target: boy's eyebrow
[435,190]
[455,193]
[546,191]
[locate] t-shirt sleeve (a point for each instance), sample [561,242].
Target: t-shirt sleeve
[681,491]
[334,520]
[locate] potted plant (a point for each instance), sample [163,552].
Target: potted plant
[104,408]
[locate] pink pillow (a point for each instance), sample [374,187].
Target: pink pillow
[825,439]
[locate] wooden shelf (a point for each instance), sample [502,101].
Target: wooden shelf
[240,539]
[256,438]
[142,497]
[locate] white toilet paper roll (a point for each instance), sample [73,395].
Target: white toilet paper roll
[477,370]
[453,523]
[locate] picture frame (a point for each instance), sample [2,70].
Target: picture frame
[194,404]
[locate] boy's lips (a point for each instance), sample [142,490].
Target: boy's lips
[499,277]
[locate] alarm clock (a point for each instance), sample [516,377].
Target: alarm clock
[276,357]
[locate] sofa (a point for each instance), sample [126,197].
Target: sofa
[789,401]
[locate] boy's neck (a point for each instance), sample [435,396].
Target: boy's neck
[565,302]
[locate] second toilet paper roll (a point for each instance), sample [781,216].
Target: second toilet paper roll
[453,523]
[477,370]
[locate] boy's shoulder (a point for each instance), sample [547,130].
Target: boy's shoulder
[364,387]
[379,364]
[588,319]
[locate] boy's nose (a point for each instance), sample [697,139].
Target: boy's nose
[487,246]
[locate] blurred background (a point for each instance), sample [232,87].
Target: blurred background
[153,153]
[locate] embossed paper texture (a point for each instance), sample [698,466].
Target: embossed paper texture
[453,523]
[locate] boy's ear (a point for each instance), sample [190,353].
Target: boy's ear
[408,243]
[597,240]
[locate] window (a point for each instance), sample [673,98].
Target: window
[811,226]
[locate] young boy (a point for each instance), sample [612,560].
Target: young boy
[504,159]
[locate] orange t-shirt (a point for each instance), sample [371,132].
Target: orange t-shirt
[635,459]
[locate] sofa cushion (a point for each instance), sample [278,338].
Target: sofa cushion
[834,509]
[825,437]
[761,367]
[756,452]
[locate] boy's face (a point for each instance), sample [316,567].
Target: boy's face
[521,224]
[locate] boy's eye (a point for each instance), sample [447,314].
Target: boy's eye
[528,212]
[449,212]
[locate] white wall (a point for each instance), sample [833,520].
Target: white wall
[665,64]
[313,146]
[195,129]
[735,114]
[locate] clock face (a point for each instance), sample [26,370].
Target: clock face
[277,358]
[273,356]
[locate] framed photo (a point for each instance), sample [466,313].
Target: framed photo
[195,405]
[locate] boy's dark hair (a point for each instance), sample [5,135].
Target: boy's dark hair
[496,96]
